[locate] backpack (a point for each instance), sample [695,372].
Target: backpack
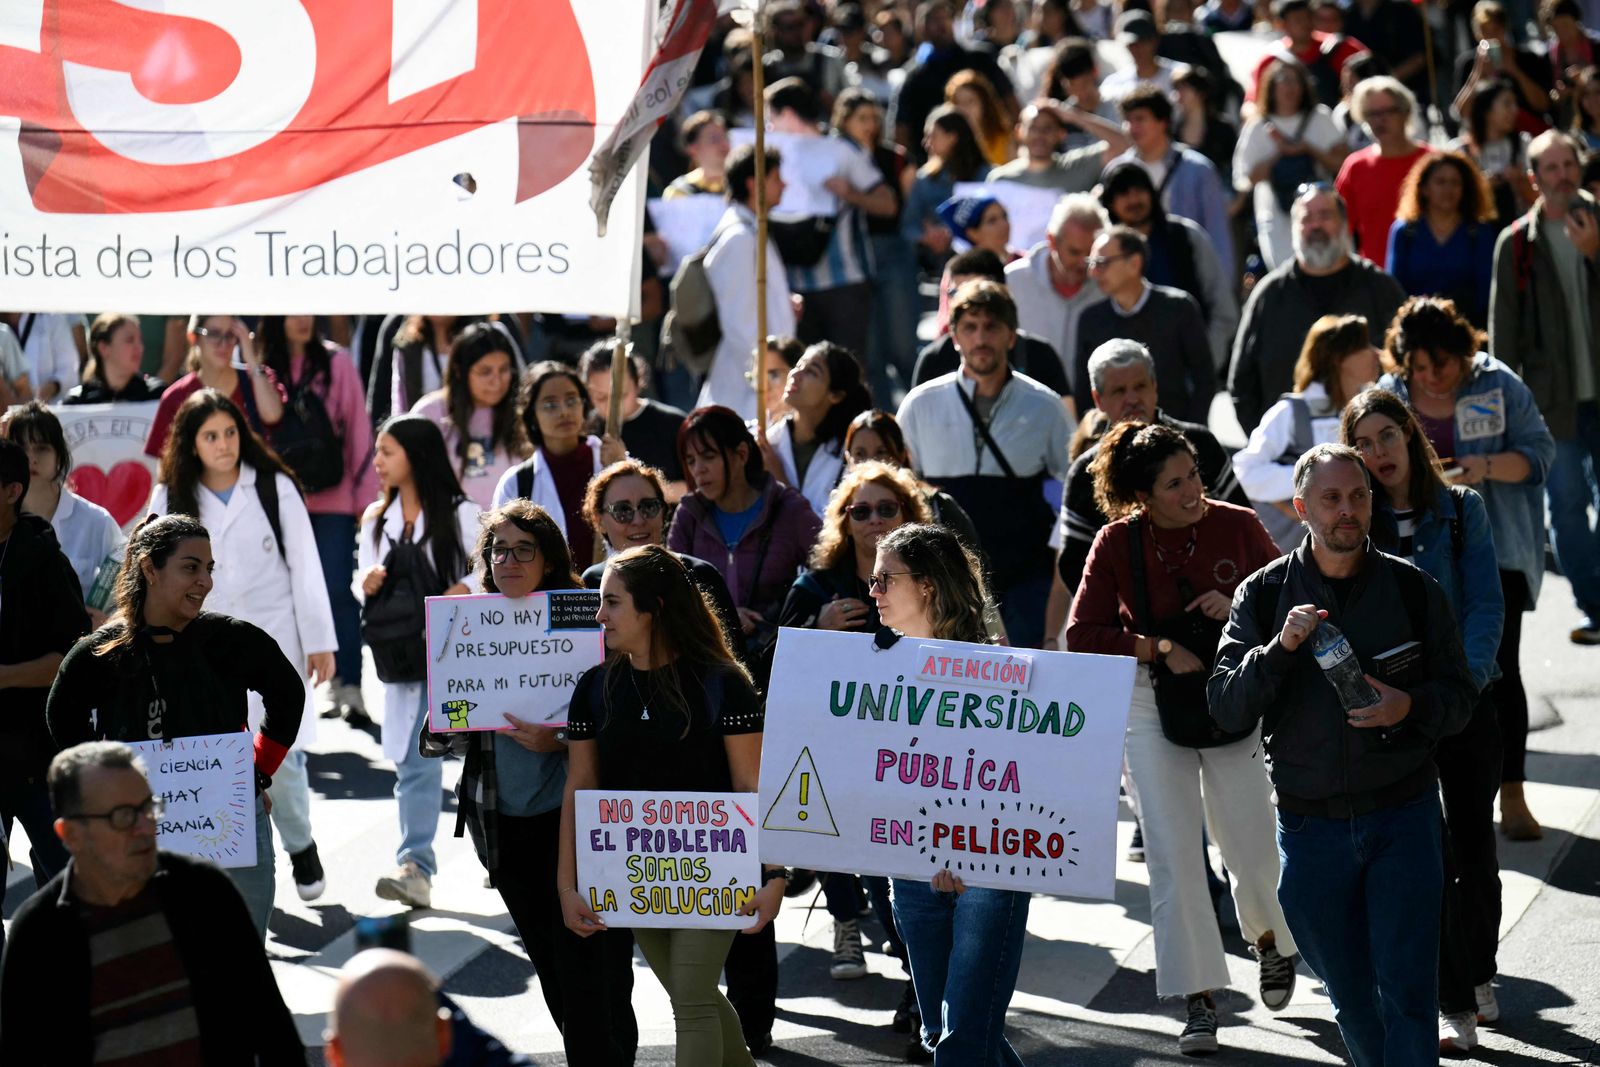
[307,442]
[1323,75]
[267,493]
[691,328]
[394,619]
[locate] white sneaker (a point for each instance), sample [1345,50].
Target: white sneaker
[408,884]
[1488,1004]
[849,961]
[1458,1033]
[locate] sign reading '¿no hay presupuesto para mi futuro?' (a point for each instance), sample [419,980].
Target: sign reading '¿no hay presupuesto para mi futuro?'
[1001,765]
[667,859]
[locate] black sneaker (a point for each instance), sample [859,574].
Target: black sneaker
[917,1052]
[1199,1037]
[906,1015]
[309,879]
[1277,977]
[759,1046]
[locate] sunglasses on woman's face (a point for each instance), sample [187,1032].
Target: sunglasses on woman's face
[885,509]
[623,510]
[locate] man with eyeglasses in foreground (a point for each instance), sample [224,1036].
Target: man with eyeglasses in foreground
[132,954]
[1323,278]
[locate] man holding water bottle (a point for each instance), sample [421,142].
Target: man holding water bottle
[1351,661]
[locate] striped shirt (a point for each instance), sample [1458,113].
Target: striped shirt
[848,260]
[141,1007]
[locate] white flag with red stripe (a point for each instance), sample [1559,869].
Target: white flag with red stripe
[682,28]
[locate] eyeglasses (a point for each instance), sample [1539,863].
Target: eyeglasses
[555,407]
[623,510]
[878,583]
[885,509]
[521,553]
[123,817]
[1389,437]
[1096,262]
[205,333]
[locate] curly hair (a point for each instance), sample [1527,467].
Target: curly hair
[530,518]
[594,496]
[958,598]
[835,543]
[1127,462]
[1430,324]
[1477,202]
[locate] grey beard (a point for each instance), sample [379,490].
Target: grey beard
[1321,256]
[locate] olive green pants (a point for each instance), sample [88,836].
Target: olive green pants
[689,963]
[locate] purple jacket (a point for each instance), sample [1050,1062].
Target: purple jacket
[785,522]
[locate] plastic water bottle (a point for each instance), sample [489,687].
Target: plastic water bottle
[1341,667]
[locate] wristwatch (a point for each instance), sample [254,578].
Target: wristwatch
[1163,649]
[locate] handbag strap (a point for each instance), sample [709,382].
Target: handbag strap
[1141,592]
[988,439]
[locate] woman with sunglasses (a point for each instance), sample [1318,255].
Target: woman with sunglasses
[876,436]
[523,767]
[166,668]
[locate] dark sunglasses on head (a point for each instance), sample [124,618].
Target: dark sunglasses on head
[886,509]
[622,511]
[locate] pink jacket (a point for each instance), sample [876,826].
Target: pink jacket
[346,402]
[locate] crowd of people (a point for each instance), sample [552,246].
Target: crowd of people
[1408,330]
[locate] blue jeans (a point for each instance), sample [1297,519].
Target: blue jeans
[965,952]
[336,546]
[1572,491]
[258,884]
[1362,899]
[419,789]
[893,341]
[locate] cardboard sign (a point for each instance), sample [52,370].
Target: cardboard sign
[1000,765]
[668,859]
[208,784]
[489,655]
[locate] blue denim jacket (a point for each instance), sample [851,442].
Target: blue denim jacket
[1471,583]
[1495,412]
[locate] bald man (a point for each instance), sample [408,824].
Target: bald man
[386,1013]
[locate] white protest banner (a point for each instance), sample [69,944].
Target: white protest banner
[489,655]
[316,156]
[999,764]
[1027,206]
[109,466]
[686,224]
[208,784]
[667,859]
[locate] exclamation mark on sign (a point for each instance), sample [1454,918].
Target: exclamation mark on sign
[805,794]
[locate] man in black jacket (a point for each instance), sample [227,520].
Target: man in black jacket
[41,617]
[133,949]
[1356,787]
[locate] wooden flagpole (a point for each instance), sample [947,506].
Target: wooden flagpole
[759,80]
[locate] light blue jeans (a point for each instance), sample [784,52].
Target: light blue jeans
[419,791]
[1573,488]
[258,884]
[965,952]
[291,802]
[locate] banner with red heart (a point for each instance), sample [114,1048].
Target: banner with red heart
[109,466]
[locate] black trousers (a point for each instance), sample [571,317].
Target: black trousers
[842,315]
[1469,930]
[1510,699]
[752,973]
[587,982]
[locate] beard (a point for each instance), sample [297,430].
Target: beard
[1320,252]
[1343,538]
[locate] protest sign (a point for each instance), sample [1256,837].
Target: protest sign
[208,784]
[489,655]
[317,156]
[109,466]
[667,859]
[1000,765]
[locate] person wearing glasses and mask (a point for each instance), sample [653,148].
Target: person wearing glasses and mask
[71,990]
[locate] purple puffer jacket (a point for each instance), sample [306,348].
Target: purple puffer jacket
[793,526]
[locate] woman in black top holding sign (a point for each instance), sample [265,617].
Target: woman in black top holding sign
[671,709]
[166,669]
[1158,586]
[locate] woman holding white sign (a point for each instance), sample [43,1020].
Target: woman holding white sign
[509,797]
[166,668]
[1158,586]
[216,469]
[671,709]
[964,945]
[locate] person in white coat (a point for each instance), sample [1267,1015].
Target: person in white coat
[216,469]
[412,541]
[1336,362]
[555,409]
[89,537]
[805,449]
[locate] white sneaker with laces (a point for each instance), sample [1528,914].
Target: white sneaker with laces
[1458,1033]
[1488,1003]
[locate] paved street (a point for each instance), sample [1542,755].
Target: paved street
[1087,991]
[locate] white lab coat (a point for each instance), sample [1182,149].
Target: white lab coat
[543,492]
[401,699]
[827,465]
[283,594]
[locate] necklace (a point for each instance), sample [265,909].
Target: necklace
[1174,565]
[644,707]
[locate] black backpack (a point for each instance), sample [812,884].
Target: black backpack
[394,619]
[307,442]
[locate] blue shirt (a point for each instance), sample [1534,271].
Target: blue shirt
[1460,269]
[223,495]
[733,524]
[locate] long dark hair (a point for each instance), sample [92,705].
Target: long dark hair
[530,518]
[35,424]
[101,332]
[844,376]
[1127,462]
[533,381]
[275,351]
[180,468]
[476,342]
[438,490]
[1427,475]
[1483,98]
[155,539]
[888,430]
[684,632]
[717,428]
[966,160]
[957,596]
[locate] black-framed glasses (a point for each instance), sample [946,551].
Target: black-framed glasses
[880,582]
[523,553]
[1096,262]
[884,509]
[124,817]
[623,511]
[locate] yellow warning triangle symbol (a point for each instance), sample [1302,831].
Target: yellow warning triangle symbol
[801,806]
